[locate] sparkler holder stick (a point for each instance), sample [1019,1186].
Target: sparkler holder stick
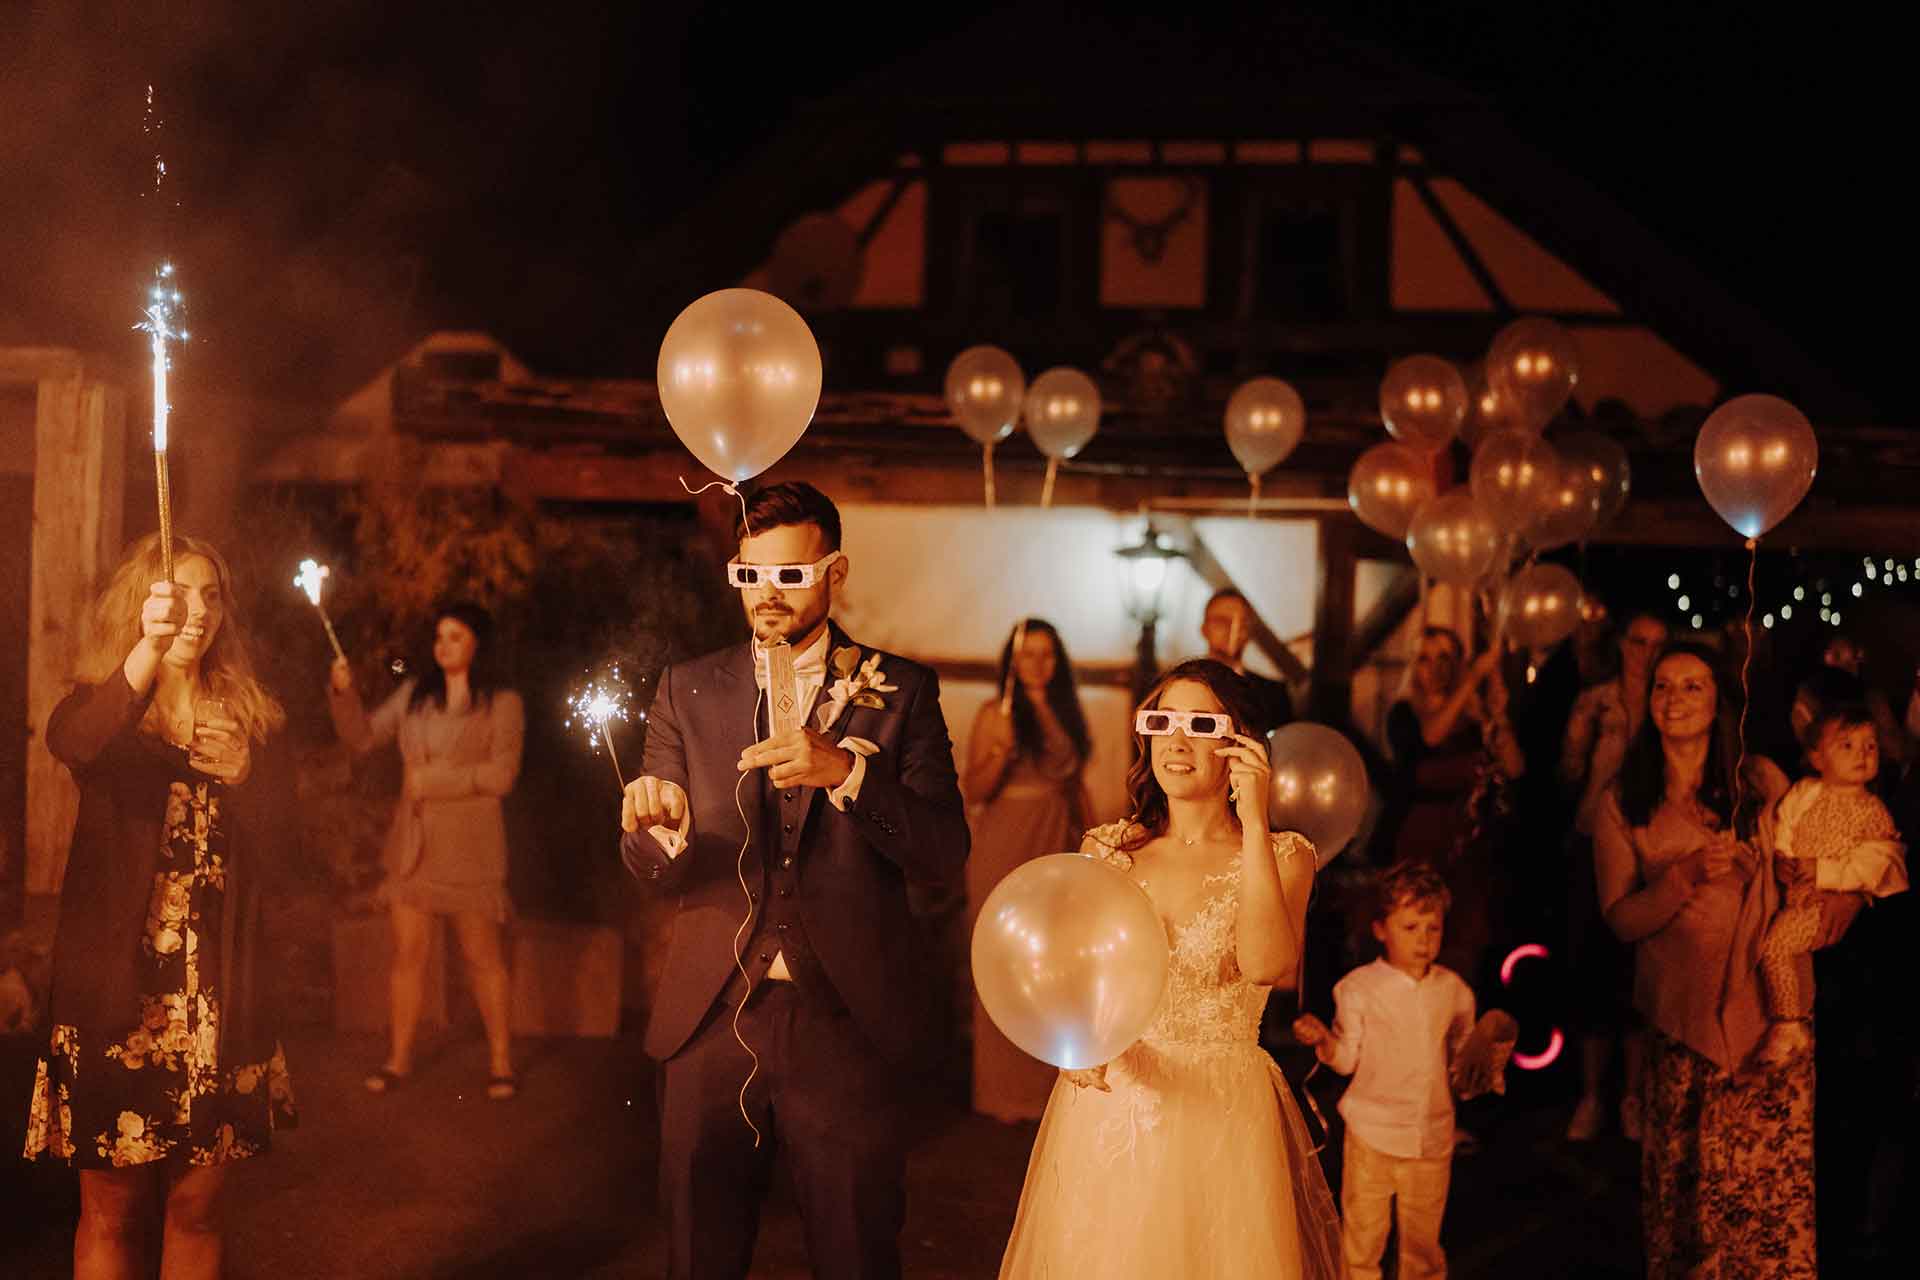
[606,736]
[332,639]
[1006,685]
[164,493]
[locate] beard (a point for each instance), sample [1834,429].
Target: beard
[774,623]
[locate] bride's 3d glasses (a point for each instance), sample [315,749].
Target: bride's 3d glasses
[1195,724]
[785,576]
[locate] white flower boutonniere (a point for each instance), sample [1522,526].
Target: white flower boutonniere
[856,684]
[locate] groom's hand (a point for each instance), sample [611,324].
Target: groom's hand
[799,758]
[652,802]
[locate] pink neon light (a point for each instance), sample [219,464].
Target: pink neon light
[1526,951]
[1545,1058]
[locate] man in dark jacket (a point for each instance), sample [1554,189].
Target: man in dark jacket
[791,789]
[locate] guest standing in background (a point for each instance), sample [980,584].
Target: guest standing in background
[163,1066]
[460,735]
[1604,720]
[1226,626]
[1026,786]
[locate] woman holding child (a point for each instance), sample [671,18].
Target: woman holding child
[1683,845]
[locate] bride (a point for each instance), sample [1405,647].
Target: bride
[1186,1155]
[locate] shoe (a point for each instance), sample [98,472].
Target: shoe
[1585,1125]
[503,1088]
[1632,1118]
[383,1080]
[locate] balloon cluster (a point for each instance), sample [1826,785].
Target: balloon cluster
[988,396]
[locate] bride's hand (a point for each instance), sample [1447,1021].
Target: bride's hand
[1248,778]
[1091,1078]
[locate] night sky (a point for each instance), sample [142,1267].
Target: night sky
[353,173]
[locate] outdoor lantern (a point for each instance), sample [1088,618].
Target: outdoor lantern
[1146,565]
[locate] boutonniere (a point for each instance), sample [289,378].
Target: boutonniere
[858,684]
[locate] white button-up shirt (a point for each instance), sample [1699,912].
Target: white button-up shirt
[1397,1037]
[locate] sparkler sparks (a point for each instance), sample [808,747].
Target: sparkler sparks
[310,578]
[597,703]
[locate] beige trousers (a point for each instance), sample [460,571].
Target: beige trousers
[1370,1182]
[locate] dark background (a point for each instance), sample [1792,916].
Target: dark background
[363,171]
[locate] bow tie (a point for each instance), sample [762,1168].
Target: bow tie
[807,667]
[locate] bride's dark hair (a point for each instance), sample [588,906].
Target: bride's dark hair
[1146,800]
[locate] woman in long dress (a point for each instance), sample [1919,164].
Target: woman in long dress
[1186,1155]
[460,737]
[1026,759]
[1681,847]
[163,1069]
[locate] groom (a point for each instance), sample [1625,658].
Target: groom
[791,926]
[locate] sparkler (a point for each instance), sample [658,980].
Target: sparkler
[312,574]
[1006,686]
[593,706]
[161,327]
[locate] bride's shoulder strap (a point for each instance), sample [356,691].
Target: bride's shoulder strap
[1108,842]
[1288,845]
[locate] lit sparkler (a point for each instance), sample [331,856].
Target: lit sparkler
[312,574]
[161,327]
[590,710]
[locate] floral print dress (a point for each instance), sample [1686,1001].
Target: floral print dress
[160,1091]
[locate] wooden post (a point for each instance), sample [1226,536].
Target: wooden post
[1330,695]
[78,494]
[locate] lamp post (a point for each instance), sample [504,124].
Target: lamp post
[1146,562]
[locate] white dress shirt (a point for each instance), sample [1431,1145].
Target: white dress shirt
[1397,1037]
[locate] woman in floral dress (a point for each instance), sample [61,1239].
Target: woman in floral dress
[161,1068]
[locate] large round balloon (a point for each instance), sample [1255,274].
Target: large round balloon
[1062,412]
[1489,409]
[1423,401]
[1265,418]
[1319,786]
[1535,364]
[1542,606]
[984,390]
[1509,474]
[1604,464]
[1069,959]
[739,379]
[1569,507]
[1390,482]
[1453,540]
[1754,458]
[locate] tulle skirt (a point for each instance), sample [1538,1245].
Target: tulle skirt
[1196,1165]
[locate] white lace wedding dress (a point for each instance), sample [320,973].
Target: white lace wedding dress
[1197,1164]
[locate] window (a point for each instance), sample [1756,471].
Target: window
[1300,261]
[1019,262]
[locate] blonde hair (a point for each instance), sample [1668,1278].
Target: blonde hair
[226,670]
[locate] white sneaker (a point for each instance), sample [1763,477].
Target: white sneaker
[1585,1125]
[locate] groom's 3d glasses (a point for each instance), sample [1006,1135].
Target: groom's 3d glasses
[789,576]
[1195,724]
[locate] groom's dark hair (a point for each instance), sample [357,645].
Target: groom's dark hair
[793,502]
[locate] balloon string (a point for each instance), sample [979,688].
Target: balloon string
[1253,496]
[726,488]
[1046,488]
[1746,668]
[986,472]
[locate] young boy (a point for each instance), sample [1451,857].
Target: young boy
[1830,833]
[1397,1025]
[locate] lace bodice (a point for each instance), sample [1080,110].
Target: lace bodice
[1208,1001]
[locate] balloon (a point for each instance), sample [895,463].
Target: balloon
[1509,474]
[984,390]
[1319,786]
[1062,412]
[1070,959]
[1488,409]
[1569,507]
[1265,417]
[1534,363]
[1754,458]
[1542,606]
[1604,464]
[739,379]
[1423,401]
[1452,539]
[1390,482]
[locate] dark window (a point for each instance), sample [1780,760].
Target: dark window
[1300,263]
[1019,267]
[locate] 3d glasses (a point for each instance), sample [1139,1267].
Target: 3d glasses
[1195,724]
[785,576]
